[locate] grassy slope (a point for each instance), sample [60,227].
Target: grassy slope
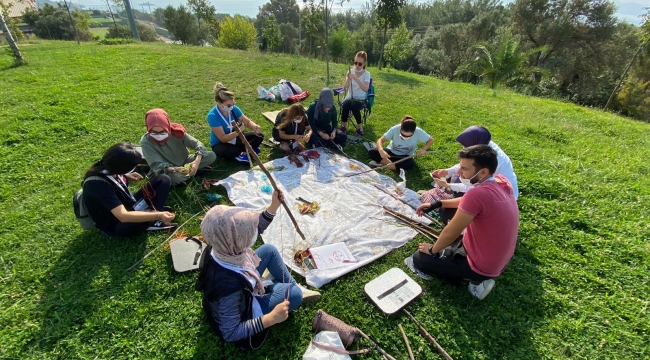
[576,287]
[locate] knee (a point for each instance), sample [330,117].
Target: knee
[209,157]
[176,178]
[266,250]
[163,180]
[295,298]
[417,258]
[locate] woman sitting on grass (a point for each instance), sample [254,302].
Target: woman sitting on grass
[239,308]
[323,121]
[404,139]
[290,126]
[165,145]
[110,204]
[223,138]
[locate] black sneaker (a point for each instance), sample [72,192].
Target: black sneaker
[161,225]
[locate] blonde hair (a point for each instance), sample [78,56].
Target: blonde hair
[292,112]
[222,94]
[364,56]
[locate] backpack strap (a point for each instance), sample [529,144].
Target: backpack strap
[94,178]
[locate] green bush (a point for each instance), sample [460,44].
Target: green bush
[147,33]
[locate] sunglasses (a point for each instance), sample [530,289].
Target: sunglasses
[358,63]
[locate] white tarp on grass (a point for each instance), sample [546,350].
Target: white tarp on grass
[350,210]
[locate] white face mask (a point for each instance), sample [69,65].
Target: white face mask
[227,108]
[159,137]
[297,121]
[469,181]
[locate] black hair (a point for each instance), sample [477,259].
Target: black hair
[118,159]
[408,124]
[483,156]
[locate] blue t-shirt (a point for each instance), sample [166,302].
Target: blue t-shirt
[404,147]
[217,119]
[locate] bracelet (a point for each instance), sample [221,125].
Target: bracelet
[431,248]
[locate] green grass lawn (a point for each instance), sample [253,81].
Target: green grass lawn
[577,286]
[101,32]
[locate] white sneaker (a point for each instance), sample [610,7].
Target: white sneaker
[373,163]
[308,296]
[409,263]
[481,290]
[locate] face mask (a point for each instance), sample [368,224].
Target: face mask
[159,137]
[405,137]
[297,121]
[469,181]
[227,108]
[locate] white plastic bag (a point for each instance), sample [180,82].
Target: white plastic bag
[265,94]
[329,338]
[286,89]
[400,188]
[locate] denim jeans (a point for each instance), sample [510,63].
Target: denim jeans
[284,286]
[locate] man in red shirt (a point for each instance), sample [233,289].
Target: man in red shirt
[489,216]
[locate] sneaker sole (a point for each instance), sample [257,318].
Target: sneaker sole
[411,266]
[311,299]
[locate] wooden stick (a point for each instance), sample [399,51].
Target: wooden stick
[426,334]
[387,165]
[406,340]
[416,225]
[268,174]
[431,218]
[384,353]
[162,243]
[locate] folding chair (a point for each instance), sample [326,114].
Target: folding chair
[366,107]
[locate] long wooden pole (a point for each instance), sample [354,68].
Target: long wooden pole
[387,165]
[268,174]
[406,340]
[426,334]
[12,44]
[414,224]
[431,218]
[161,244]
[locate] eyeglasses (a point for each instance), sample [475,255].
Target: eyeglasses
[358,63]
[158,132]
[405,136]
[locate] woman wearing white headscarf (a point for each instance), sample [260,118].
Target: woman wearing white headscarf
[238,307]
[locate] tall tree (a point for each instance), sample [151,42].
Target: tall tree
[203,10]
[237,33]
[180,23]
[272,34]
[389,16]
[285,11]
[399,47]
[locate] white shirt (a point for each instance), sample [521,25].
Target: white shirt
[357,92]
[504,168]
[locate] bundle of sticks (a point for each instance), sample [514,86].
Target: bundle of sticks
[418,226]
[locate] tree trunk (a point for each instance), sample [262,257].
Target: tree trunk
[327,41]
[10,40]
[383,43]
[625,73]
[76,35]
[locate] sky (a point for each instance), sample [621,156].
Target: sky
[627,10]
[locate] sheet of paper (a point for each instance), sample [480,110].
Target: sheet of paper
[332,256]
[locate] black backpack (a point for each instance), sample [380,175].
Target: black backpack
[80,211]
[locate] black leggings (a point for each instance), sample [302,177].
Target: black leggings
[158,188]
[406,165]
[231,151]
[355,107]
[453,270]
